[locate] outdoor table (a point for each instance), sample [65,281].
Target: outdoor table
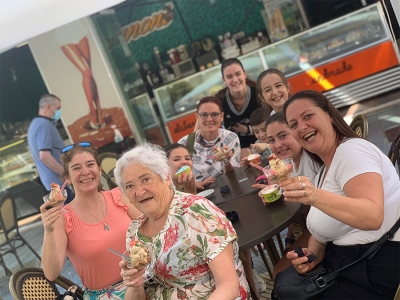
[258,223]
[239,182]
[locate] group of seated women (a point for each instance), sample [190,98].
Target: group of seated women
[351,187]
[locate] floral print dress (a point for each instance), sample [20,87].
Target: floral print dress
[196,231]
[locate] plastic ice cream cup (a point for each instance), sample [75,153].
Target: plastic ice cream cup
[55,202]
[254,158]
[271,193]
[183,170]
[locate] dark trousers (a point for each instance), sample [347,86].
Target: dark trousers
[375,278]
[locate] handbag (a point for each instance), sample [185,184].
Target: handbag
[290,284]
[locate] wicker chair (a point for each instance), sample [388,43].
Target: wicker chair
[394,152]
[108,161]
[30,283]
[10,236]
[360,126]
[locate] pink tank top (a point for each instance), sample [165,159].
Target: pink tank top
[87,243]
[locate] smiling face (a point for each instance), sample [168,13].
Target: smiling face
[260,132]
[282,143]
[311,127]
[235,79]
[209,125]
[83,172]
[146,190]
[178,158]
[274,91]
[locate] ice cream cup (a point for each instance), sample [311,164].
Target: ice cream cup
[271,193]
[276,177]
[254,158]
[183,170]
[46,198]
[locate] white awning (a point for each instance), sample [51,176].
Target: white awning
[21,20]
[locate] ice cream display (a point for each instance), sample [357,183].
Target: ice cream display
[271,193]
[219,153]
[279,169]
[55,197]
[139,256]
[183,170]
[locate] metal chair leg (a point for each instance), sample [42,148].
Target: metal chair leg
[265,260]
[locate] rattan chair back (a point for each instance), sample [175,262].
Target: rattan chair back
[31,283]
[360,126]
[10,237]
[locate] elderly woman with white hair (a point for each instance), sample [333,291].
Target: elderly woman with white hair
[194,244]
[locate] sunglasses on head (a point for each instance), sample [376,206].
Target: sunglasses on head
[82,144]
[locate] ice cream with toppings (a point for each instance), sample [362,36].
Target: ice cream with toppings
[279,169]
[139,256]
[55,196]
[183,170]
[219,153]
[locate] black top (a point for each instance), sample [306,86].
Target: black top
[233,116]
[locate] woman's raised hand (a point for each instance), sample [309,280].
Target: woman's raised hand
[299,189]
[132,277]
[259,147]
[49,217]
[188,182]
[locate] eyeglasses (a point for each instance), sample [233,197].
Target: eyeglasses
[213,115]
[82,144]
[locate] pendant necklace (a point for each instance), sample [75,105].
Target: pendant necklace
[106,227]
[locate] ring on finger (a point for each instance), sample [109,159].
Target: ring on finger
[298,178]
[304,194]
[303,185]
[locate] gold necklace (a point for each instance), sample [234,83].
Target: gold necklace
[106,226]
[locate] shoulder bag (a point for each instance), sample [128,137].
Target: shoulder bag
[290,284]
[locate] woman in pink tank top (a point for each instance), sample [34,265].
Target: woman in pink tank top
[86,227]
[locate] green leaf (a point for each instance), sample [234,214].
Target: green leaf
[182,221]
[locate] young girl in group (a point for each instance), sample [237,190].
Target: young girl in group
[239,100]
[178,157]
[273,88]
[283,145]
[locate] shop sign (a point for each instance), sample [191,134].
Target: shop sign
[158,20]
[347,69]
[180,127]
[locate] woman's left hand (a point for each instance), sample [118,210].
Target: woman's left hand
[188,182]
[301,264]
[238,127]
[299,189]
[228,152]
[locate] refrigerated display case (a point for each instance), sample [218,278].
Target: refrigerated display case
[178,100]
[16,164]
[341,37]
[349,59]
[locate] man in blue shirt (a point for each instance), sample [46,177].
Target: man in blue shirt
[45,142]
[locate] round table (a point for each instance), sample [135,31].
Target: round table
[258,223]
[239,181]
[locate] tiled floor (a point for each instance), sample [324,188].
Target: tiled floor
[383,115]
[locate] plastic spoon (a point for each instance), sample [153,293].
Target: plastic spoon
[118,253]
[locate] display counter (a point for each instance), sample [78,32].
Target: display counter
[16,164]
[324,58]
